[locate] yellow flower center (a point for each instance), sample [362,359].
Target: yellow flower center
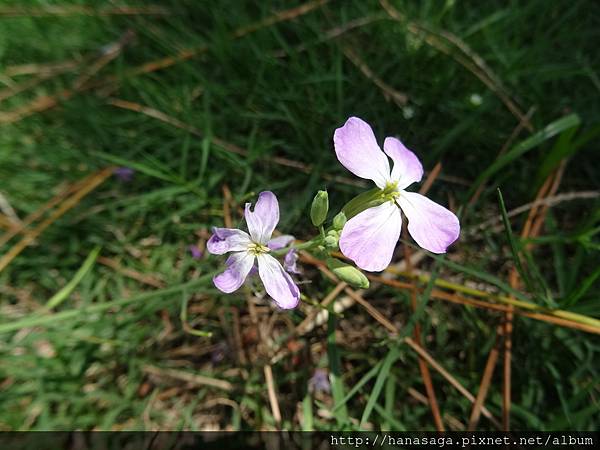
[257,249]
[390,192]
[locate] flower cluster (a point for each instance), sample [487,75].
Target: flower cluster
[366,230]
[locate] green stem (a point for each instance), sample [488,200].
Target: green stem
[304,246]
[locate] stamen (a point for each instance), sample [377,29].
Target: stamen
[257,249]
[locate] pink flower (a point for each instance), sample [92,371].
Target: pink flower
[247,248]
[369,238]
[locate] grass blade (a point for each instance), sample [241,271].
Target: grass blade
[552,129]
[391,357]
[512,243]
[64,293]
[337,385]
[55,319]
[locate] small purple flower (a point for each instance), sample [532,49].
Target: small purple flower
[290,260]
[246,248]
[369,238]
[195,251]
[124,174]
[319,382]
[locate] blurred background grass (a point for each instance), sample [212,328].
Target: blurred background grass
[210,103]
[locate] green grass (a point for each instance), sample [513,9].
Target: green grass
[281,91]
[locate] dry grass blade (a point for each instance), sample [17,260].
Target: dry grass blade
[484,387]
[333,33]
[431,177]
[447,43]
[504,332]
[15,89]
[389,93]
[70,10]
[89,185]
[548,202]
[227,202]
[459,300]
[280,16]
[39,212]
[451,379]
[394,331]
[41,69]
[186,54]
[227,146]
[190,378]
[309,322]
[272,395]
[45,102]
[9,213]
[150,280]
[423,368]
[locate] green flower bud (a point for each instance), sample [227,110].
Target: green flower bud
[339,221]
[319,208]
[331,241]
[348,273]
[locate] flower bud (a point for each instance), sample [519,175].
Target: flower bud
[331,241]
[348,273]
[339,221]
[319,208]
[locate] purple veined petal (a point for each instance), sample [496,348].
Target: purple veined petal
[226,240]
[432,226]
[290,260]
[238,266]
[370,237]
[263,220]
[280,242]
[407,167]
[356,148]
[278,284]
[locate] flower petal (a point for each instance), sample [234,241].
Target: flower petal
[278,284]
[290,260]
[407,167]
[432,226]
[238,266]
[356,148]
[226,240]
[280,242]
[263,220]
[370,237]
